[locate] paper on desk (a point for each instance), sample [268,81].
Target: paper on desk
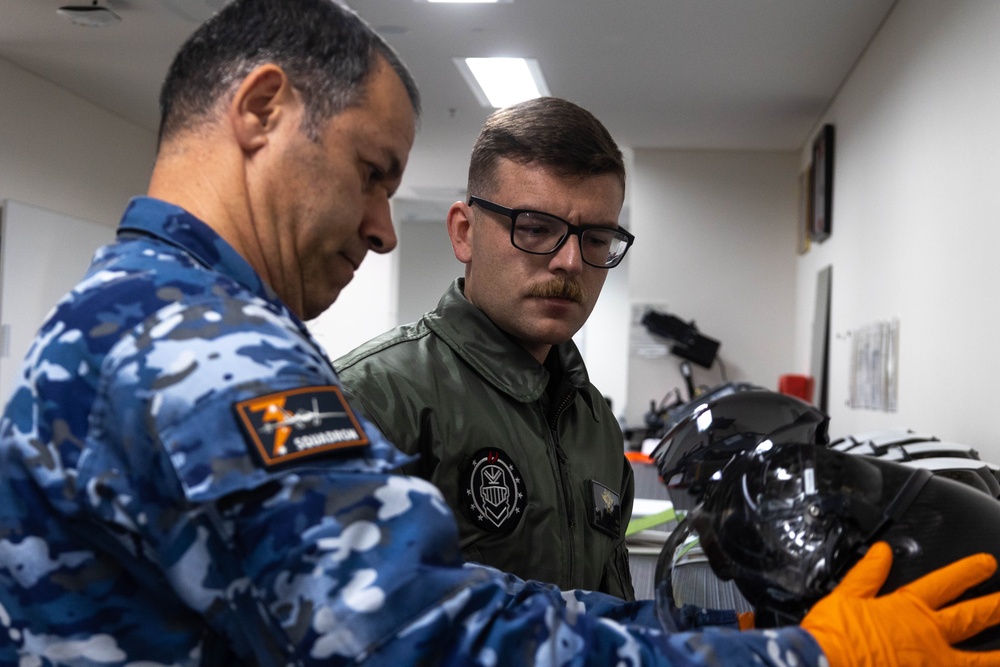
[648,513]
[647,506]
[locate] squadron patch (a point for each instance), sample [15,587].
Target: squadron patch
[300,423]
[493,491]
[606,510]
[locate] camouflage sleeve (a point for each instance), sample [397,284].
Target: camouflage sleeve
[303,554]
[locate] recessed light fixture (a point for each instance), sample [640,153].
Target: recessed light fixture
[500,82]
[92,16]
[465,2]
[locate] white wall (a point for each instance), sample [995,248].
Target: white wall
[396,288]
[602,340]
[42,256]
[427,266]
[364,309]
[916,221]
[61,153]
[715,243]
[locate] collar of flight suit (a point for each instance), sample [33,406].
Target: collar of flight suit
[495,355]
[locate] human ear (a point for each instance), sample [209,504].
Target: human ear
[260,102]
[460,231]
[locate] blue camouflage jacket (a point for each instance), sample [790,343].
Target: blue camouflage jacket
[182,483]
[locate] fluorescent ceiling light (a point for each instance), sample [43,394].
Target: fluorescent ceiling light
[500,82]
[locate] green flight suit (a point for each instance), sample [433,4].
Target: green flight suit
[530,457]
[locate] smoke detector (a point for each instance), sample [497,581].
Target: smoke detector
[92,16]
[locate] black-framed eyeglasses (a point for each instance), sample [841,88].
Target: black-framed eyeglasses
[541,233]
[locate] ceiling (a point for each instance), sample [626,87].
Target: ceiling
[689,74]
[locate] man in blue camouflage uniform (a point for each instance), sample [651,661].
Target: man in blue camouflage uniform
[181,481]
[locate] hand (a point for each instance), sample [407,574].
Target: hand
[906,627]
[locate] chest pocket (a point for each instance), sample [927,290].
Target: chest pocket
[605,509]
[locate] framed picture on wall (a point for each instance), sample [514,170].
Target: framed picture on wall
[805,209]
[822,185]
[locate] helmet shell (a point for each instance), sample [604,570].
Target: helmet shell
[701,443]
[786,522]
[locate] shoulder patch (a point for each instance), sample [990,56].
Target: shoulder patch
[298,424]
[494,491]
[605,509]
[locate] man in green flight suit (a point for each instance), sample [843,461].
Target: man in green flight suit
[489,388]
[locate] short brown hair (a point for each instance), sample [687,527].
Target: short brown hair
[547,130]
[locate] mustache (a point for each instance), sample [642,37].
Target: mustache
[560,288]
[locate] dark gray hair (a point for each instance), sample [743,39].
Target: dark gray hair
[327,51]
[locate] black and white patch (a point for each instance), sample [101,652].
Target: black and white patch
[493,489]
[605,509]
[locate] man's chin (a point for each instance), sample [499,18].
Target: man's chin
[555,335]
[316,308]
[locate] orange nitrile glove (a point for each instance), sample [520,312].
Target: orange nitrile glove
[906,627]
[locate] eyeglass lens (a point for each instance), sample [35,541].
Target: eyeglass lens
[541,234]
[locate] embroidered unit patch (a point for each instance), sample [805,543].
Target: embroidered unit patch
[494,491]
[300,423]
[606,511]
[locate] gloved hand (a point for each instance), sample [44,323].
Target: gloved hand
[906,627]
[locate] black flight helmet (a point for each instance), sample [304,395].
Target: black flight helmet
[786,522]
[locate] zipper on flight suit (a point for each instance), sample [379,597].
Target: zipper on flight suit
[564,485]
